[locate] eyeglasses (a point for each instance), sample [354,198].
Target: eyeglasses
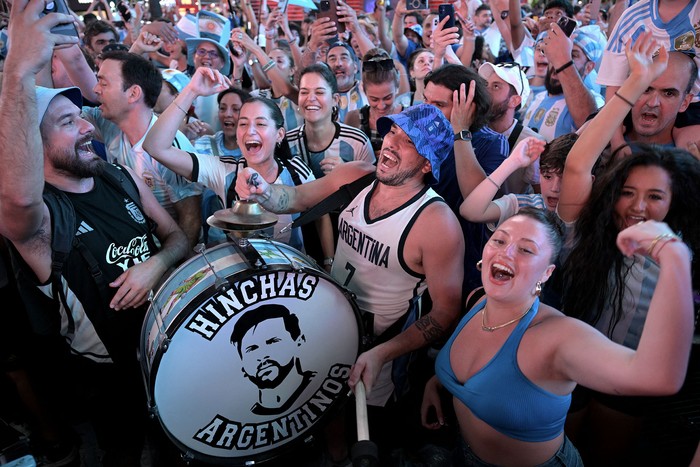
[386,64]
[207,53]
[509,65]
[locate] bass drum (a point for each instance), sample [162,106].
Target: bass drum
[245,351]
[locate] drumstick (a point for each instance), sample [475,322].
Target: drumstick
[361,410]
[364,453]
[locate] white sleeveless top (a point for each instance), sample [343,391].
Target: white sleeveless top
[369,261]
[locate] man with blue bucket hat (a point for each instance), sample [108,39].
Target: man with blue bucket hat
[397,238]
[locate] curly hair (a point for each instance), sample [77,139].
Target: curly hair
[593,282]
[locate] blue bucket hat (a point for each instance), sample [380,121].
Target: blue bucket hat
[429,131]
[214,29]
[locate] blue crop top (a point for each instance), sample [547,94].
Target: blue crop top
[501,395]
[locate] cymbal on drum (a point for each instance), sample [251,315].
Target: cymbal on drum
[243,216]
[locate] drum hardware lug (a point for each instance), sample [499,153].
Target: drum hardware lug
[152,411]
[249,254]
[165,344]
[220,283]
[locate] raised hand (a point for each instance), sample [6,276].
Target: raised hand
[640,55]
[27,21]
[463,107]
[146,43]
[443,37]
[165,31]
[557,47]
[322,30]
[527,151]
[348,16]
[242,40]
[646,238]
[250,185]
[206,82]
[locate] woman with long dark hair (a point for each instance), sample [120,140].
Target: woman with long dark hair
[600,286]
[322,142]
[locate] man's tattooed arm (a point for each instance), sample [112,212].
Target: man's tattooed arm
[431,329]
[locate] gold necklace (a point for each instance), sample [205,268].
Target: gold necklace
[484,327]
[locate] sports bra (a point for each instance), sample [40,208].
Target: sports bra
[501,395]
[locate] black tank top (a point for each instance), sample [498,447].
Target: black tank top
[117,234]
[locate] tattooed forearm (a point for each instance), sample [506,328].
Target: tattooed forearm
[431,329]
[283,201]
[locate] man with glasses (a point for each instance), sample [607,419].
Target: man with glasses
[566,102]
[509,88]
[209,50]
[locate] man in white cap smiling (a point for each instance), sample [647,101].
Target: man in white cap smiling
[50,177]
[509,89]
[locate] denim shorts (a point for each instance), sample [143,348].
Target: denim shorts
[566,456]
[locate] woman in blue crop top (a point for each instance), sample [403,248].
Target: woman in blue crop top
[512,363]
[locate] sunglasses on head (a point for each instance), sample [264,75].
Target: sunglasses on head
[386,64]
[510,65]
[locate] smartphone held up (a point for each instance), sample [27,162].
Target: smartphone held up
[447,10]
[59,6]
[567,25]
[328,9]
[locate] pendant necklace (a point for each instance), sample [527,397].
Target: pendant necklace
[484,327]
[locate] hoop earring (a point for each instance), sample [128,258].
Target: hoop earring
[334,113]
[538,288]
[478,265]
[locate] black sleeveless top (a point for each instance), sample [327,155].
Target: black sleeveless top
[117,233]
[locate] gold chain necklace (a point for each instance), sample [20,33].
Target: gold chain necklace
[484,327]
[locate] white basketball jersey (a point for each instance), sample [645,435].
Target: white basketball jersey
[369,259]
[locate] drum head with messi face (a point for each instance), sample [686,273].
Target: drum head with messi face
[253,369]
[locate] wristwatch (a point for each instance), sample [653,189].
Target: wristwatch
[464,135]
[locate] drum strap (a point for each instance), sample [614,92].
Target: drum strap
[336,201]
